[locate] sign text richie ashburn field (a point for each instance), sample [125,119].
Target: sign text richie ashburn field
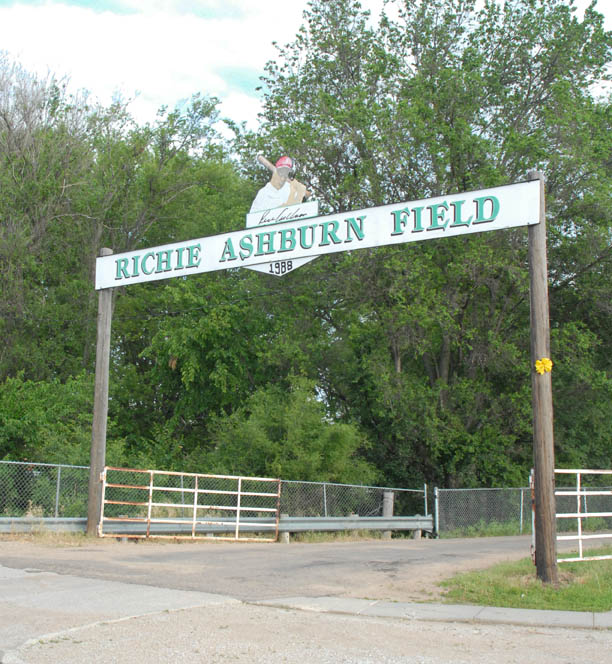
[280,244]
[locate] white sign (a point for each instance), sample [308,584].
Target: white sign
[279,245]
[277,215]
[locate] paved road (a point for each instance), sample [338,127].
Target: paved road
[108,601]
[400,569]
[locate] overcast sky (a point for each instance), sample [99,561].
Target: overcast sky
[160,51]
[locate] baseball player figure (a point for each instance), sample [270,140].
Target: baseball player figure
[282,189]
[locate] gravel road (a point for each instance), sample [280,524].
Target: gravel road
[138,580]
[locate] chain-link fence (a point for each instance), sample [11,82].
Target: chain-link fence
[475,512]
[327,499]
[43,490]
[46,490]
[469,512]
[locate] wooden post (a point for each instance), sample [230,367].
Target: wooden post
[387,510]
[543,440]
[100,411]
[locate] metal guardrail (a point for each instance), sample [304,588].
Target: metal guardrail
[291,524]
[582,493]
[287,524]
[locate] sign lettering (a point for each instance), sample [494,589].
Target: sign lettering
[286,244]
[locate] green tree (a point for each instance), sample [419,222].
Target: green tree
[431,340]
[285,432]
[74,178]
[43,161]
[49,421]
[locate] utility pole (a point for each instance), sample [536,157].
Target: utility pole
[100,411]
[541,383]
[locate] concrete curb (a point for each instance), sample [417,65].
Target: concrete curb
[444,612]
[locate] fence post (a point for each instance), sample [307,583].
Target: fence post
[387,511]
[521,515]
[324,499]
[436,512]
[57,491]
[238,501]
[579,520]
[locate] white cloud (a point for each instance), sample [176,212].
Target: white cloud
[164,51]
[163,54]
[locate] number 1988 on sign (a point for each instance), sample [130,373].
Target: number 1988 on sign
[281,267]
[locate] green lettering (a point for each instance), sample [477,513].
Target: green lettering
[480,209]
[163,261]
[228,251]
[438,215]
[457,220]
[143,265]
[288,240]
[179,258]
[351,225]
[418,222]
[193,255]
[400,218]
[246,245]
[326,234]
[265,243]
[122,272]
[135,272]
[303,230]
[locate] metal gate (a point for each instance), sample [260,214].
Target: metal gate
[156,503]
[594,502]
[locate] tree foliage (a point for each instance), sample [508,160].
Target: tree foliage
[442,97]
[397,365]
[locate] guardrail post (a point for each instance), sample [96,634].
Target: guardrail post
[285,535]
[387,511]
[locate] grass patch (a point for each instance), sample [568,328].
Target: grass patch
[488,529]
[48,538]
[316,536]
[584,586]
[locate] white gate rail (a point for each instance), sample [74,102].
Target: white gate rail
[581,512]
[184,502]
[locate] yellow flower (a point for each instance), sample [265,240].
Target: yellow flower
[544,365]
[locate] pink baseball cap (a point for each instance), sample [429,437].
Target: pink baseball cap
[284,162]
